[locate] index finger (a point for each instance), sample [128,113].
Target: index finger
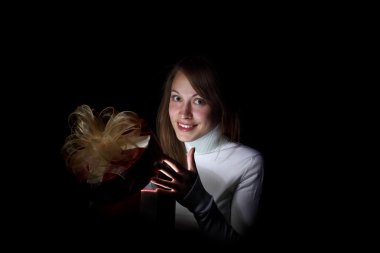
[171,165]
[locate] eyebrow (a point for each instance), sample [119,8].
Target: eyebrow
[196,94]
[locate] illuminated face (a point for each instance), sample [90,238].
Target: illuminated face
[189,113]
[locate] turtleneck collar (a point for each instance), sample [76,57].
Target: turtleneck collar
[207,143]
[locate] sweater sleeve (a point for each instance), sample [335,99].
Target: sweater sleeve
[244,206]
[211,221]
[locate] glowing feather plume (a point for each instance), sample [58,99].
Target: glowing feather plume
[99,142]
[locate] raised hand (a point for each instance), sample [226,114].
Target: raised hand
[177,179]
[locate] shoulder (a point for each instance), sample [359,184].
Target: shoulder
[247,160]
[243,155]
[243,151]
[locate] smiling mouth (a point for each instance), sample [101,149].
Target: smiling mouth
[185,127]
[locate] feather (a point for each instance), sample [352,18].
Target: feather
[98,142]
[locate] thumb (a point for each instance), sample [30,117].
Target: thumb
[190,160]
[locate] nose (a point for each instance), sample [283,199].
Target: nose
[185,112]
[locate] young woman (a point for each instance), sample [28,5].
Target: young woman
[216,180]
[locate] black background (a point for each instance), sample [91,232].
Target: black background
[281,76]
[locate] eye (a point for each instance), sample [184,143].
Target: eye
[175,98]
[199,101]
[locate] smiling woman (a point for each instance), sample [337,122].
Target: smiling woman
[216,180]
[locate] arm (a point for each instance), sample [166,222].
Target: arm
[244,205]
[247,195]
[211,221]
[189,191]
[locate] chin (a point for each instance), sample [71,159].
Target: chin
[185,138]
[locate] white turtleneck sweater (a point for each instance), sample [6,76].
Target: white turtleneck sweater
[232,174]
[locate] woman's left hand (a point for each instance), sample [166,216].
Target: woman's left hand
[178,180]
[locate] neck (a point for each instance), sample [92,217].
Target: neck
[207,143]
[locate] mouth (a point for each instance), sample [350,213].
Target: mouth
[185,127]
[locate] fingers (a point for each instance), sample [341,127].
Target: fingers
[166,174]
[168,171]
[158,190]
[171,165]
[190,163]
[190,160]
[167,185]
[175,178]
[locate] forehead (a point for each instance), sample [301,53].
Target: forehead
[182,84]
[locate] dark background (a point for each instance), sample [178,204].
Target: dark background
[262,82]
[281,76]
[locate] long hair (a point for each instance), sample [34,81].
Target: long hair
[204,80]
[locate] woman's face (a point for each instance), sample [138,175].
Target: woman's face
[189,113]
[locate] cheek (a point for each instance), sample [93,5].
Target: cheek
[204,114]
[172,111]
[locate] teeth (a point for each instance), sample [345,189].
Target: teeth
[184,126]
